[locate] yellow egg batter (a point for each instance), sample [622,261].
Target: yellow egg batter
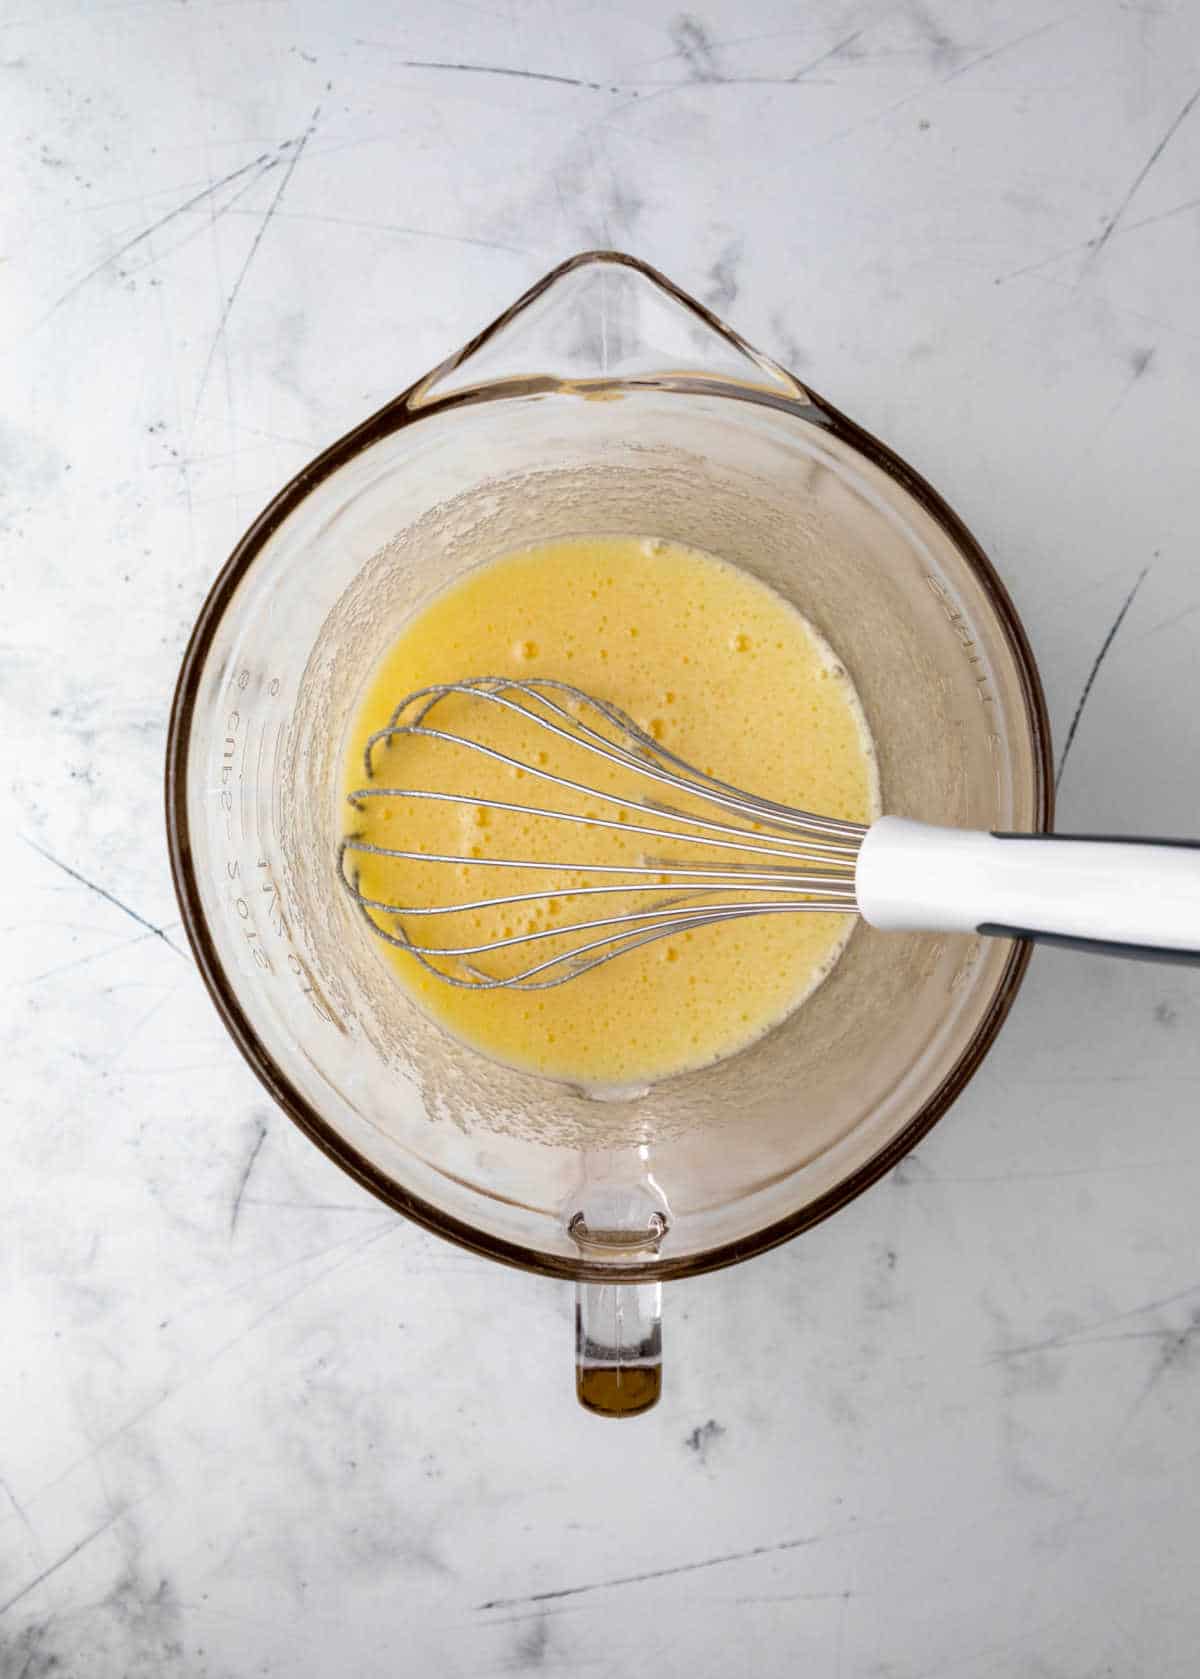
[705,658]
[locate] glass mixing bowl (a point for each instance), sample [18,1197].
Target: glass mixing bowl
[604,400]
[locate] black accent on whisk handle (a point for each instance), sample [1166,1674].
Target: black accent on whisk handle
[1094,947]
[1099,947]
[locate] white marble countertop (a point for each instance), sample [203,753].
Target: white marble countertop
[251,1423]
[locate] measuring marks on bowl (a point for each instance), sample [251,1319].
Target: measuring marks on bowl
[248,791]
[973,654]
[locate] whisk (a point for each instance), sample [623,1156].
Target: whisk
[709,852]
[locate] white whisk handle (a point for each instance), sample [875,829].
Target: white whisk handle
[1127,897]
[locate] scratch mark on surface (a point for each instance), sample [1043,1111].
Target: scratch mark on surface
[1090,244]
[223,1295]
[141,1023]
[82,961]
[994,52]
[1172,1165]
[724,42]
[244,1179]
[1070,1341]
[841,1634]
[678,51]
[356,1244]
[1168,623]
[400,227]
[107,896]
[1075,1078]
[148,232]
[1109,228]
[61,1562]
[218,212]
[835,51]
[707,75]
[319,1206]
[542,1614]
[496,70]
[926,92]
[1174,1345]
[652,1574]
[1071,1335]
[218,338]
[1105,645]
[275,437]
[795,1597]
[347,1246]
[1139,363]
[18,1507]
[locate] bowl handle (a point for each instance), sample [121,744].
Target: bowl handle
[618,1347]
[618,1326]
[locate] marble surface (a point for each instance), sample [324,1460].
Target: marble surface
[252,1424]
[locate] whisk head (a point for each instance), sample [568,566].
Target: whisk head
[675,849]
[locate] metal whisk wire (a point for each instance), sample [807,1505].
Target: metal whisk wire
[807,866]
